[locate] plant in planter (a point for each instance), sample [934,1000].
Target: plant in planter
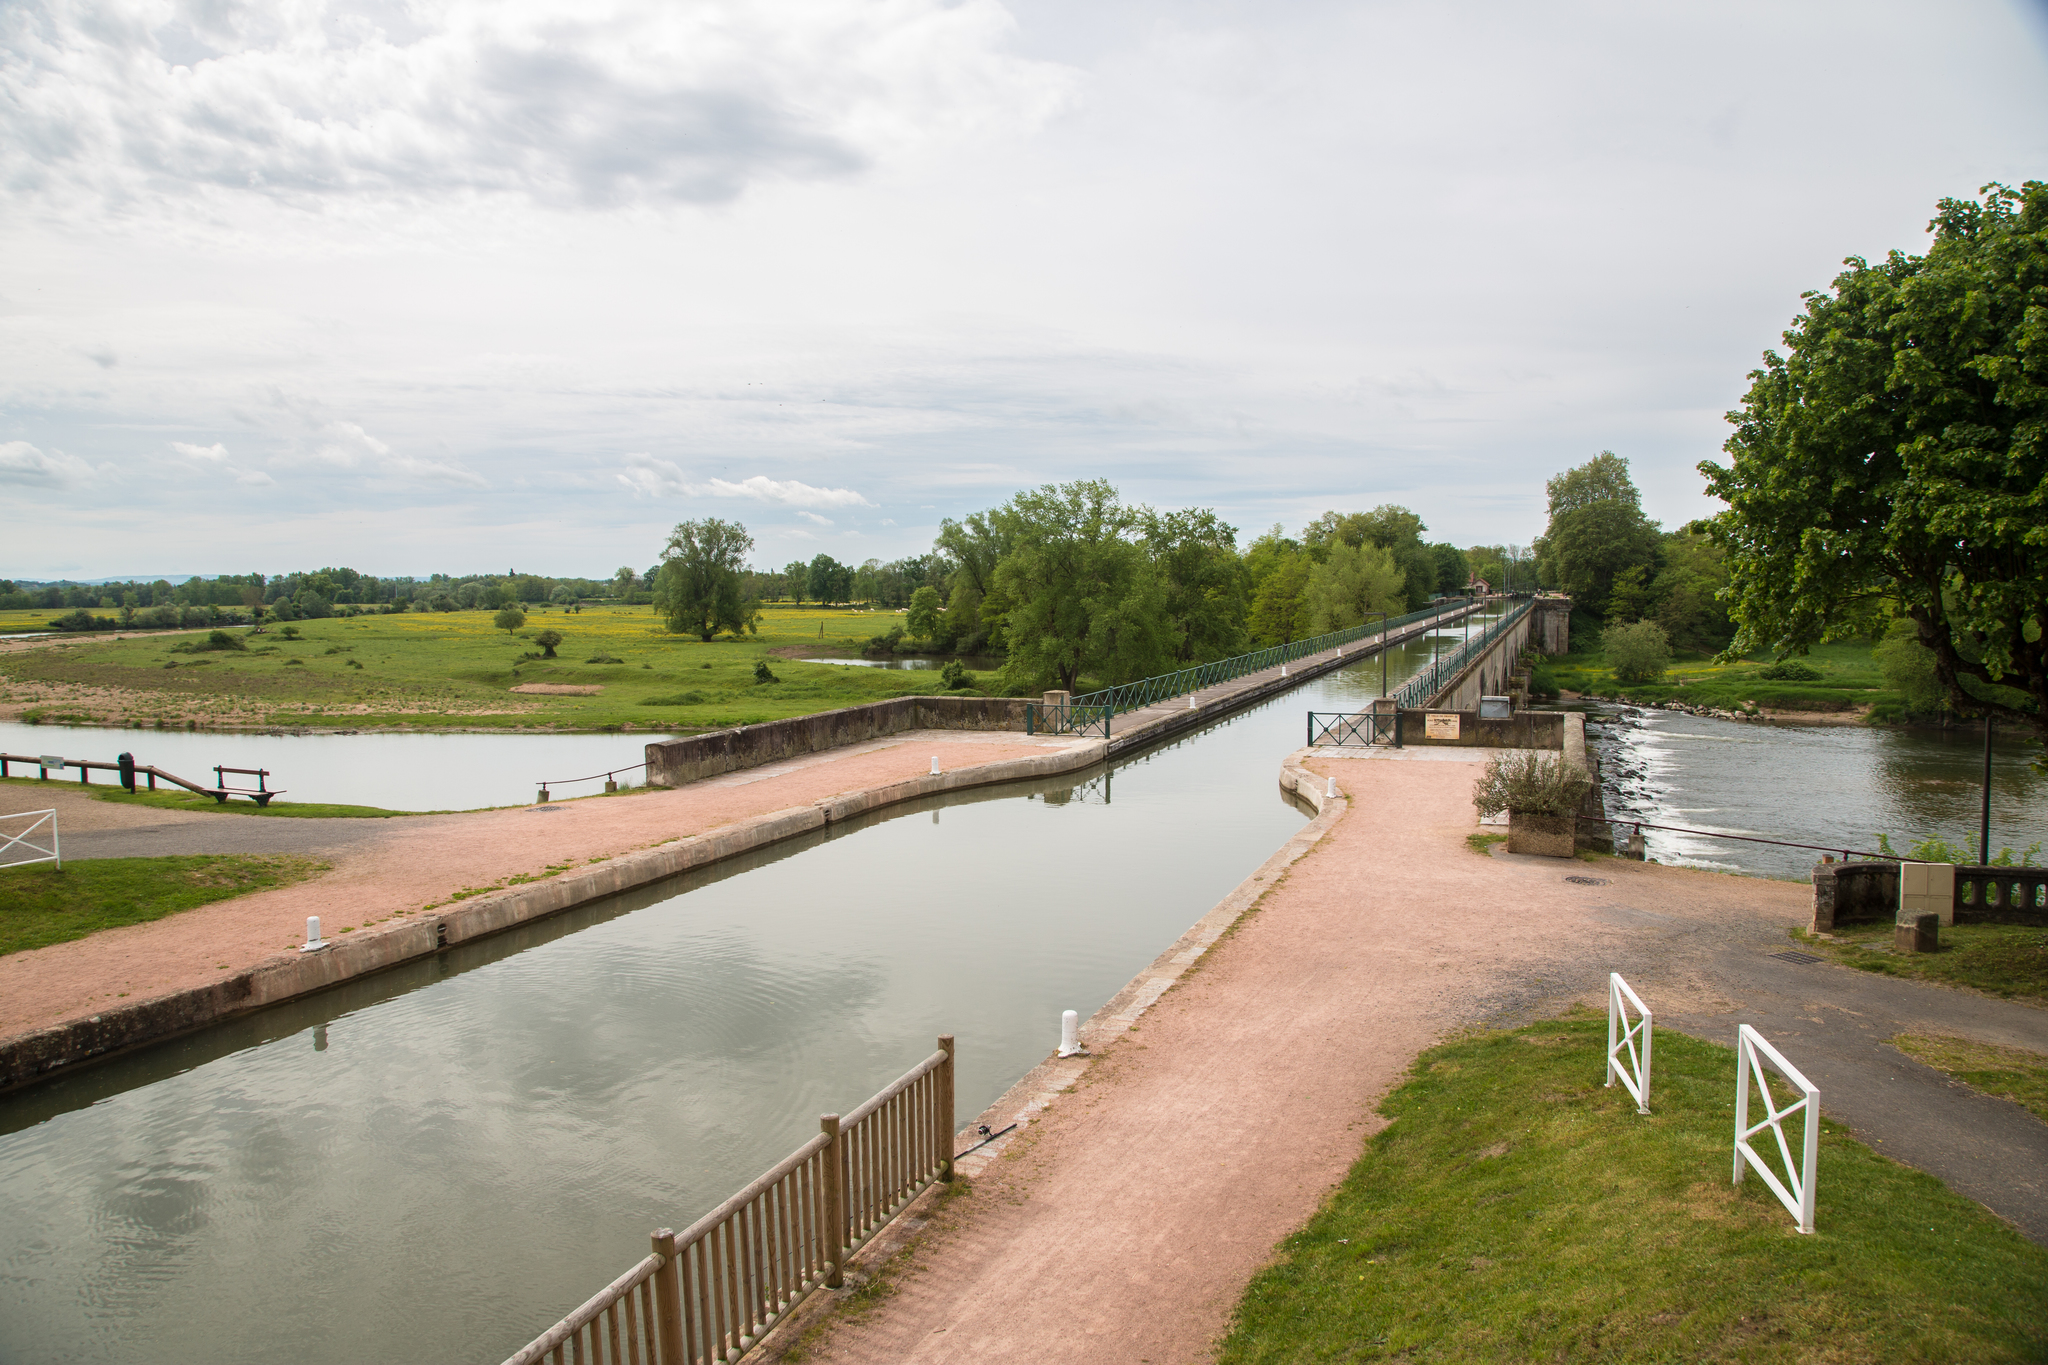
[1540,793]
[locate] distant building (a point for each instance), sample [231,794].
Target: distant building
[1478,587]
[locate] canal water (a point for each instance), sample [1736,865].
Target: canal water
[438,1162]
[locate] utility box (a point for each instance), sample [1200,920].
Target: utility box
[1495,708]
[1927,886]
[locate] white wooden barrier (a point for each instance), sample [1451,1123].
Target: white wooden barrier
[10,842]
[1795,1191]
[1622,1036]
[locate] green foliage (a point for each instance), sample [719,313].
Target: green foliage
[2009,1073]
[764,674]
[1638,652]
[1393,529]
[292,632]
[883,646]
[926,609]
[1351,581]
[1514,1209]
[1077,593]
[508,619]
[1909,670]
[40,905]
[1542,682]
[1206,586]
[827,580]
[1280,604]
[1597,530]
[700,591]
[1526,782]
[677,699]
[547,640]
[1791,670]
[955,676]
[1893,459]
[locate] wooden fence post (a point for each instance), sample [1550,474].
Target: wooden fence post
[944,1107]
[832,1208]
[668,1298]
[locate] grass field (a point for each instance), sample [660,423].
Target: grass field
[2010,1073]
[176,798]
[1851,681]
[2008,960]
[447,670]
[1517,1211]
[40,905]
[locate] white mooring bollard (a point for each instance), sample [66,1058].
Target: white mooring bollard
[1070,1033]
[935,765]
[1191,701]
[1331,790]
[1283,670]
[314,943]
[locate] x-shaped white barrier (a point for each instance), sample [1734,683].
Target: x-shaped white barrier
[1623,1036]
[9,842]
[1795,1192]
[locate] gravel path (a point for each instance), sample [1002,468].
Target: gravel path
[1124,1221]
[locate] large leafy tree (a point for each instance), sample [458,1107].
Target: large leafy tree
[1392,528]
[1597,530]
[1205,582]
[1895,460]
[1353,580]
[1076,592]
[700,589]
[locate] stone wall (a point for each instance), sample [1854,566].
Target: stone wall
[672,762]
[1553,629]
[1522,730]
[1854,893]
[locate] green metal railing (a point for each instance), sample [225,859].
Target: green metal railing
[1071,719]
[1437,674]
[1354,727]
[1146,691]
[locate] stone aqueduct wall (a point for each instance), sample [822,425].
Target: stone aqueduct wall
[672,762]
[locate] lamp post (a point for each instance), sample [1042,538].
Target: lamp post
[1984,830]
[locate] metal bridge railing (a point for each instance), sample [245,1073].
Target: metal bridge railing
[1354,727]
[1146,691]
[1437,674]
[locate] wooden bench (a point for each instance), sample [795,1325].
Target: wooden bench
[259,793]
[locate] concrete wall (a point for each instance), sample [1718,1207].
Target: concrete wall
[1553,630]
[672,762]
[1486,676]
[1854,893]
[1523,730]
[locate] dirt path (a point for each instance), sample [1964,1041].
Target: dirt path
[385,870]
[1123,1223]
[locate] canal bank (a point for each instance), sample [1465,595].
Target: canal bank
[425,885]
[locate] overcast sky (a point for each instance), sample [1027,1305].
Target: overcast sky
[461,286]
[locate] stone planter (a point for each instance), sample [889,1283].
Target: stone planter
[1548,836]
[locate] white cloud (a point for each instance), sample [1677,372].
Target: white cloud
[815,519]
[564,103]
[216,453]
[22,463]
[343,444]
[655,477]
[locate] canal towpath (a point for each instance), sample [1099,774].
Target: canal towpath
[1147,1183]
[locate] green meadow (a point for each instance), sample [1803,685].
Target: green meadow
[1850,681]
[454,670]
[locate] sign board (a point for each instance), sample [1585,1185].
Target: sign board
[1440,724]
[51,761]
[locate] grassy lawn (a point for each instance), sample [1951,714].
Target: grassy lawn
[1516,1211]
[2008,1072]
[40,905]
[1850,680]
[177,798]
[455,669]
[2008,960]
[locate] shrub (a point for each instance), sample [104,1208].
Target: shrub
[603,659]
[290,632]
[1791,670]
[762,673]
[679,699]
[1542,682]
[883,645]
[220,639]
[547,640]
[509,619]
[955,676]
[1638,652]
[1529,783]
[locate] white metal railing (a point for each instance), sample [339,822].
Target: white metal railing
[1623,1037]
[10,842]
[1795,1192]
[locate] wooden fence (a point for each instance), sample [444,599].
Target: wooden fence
[709,1293]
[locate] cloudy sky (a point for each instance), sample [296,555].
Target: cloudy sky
[454,285]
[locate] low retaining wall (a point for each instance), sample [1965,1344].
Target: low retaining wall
[1522,730]
[36,1056]
[674,762]
[1868,893]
